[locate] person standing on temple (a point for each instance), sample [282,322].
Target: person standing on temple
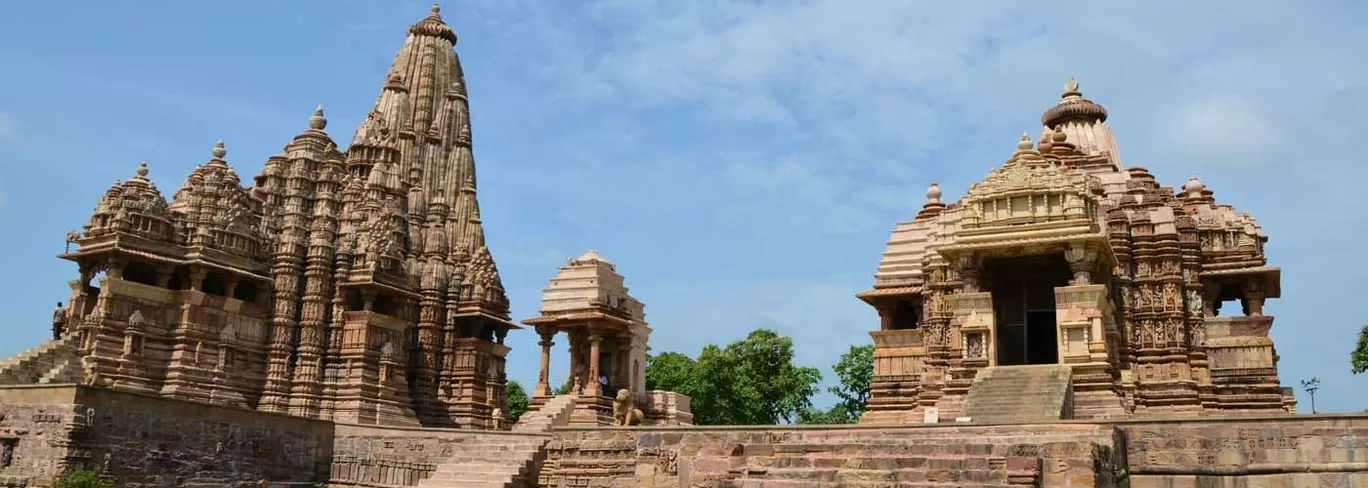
[59,318]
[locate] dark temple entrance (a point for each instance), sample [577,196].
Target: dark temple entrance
[1024,307]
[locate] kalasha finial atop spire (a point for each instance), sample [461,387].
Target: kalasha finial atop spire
[433,26]
[1025,143]
[1071,88]
[142,170]
[219,151]
[1073,107]
[933,203]
[317,121]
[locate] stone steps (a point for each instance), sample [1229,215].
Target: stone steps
[556,411]
[1018,394]
[49,360]
[493,461]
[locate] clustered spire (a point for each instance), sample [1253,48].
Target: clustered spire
[338,256]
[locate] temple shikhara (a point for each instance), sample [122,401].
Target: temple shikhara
[338,321]
[1109,282]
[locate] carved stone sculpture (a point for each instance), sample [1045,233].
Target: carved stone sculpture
[625,412]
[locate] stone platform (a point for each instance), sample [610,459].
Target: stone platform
[146,441]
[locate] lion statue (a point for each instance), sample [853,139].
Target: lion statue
[625,412]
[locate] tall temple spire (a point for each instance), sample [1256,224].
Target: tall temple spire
[423,103]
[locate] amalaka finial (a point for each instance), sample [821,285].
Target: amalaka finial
[219,151]
[1071,87]
[142,169]
[1058,135]
[317,121]
[1025,142]
[933,193]
[436,9]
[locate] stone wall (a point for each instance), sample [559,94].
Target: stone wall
[1283,451]
[146,441]
[1047,455]
[394,456]
[35,425]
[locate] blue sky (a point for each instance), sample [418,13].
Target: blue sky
[742,162]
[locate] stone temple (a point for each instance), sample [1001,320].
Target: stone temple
[1064,258]
[339,321]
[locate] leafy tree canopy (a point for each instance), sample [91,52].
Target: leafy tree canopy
[855,370]
[1358,360]
[517,401]
[752,381]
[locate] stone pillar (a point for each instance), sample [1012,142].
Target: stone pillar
[885,318]
[543,388]
[1253,299]
[114,267]
[164,274]
[592,387]
[197,276]
[624,363]
[230,284]
[1081,261]
[970,274]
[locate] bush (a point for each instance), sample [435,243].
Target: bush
[83,479]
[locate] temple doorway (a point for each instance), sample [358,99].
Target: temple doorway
[1024,307]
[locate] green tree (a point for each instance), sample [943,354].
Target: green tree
[837,414]
[563,389]
[1358,360]
[517,401]
[83,479]
[750,382]
[856,371]
[670,371]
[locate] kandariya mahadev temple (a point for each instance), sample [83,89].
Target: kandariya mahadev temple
[339,320]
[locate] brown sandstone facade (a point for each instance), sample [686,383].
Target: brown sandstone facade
[345,285]
[1064,256]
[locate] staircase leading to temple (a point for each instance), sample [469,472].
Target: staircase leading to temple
[1019,394]
[556,411]
[55,361]
[504,461]
[494,462]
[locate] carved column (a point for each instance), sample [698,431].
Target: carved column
[1082,261]
[885,318]
[970,274]
[1253,298]
[593,388]
[197,275]
[623,369]
[230,285]
[543,388]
